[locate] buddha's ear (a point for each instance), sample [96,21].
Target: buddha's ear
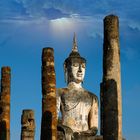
[65,73]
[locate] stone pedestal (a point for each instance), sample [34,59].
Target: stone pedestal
[89,138]
[61,136]
[49,114]
[27,125]
[5,104]
[111,86]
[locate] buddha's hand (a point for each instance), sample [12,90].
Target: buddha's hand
[76,135]
[65,129]
[91,132]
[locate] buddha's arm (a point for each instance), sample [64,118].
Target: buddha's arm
[93,119]
[93,116]
[60,127]
[58,101]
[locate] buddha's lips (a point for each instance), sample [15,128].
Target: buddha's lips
[79,75]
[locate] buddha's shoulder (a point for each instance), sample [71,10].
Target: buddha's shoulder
[91,94]
[61,91]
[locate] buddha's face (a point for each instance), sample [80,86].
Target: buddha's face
[78,71]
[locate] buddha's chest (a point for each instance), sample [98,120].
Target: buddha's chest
[75,100]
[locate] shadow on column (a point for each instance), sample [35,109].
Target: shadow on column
[46,130]
[2,130]
[110,107]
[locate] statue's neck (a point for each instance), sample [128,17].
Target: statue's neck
[74,85]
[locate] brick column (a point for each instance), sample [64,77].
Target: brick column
[5,104]
[111,92]
[27,125]
[49,114]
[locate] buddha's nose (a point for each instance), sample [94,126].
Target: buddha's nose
[80,69]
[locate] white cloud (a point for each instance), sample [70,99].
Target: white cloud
[134,25]
[40,8]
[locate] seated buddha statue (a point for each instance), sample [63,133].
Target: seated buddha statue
[78,106]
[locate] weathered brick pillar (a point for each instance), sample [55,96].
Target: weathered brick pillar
[101,109]
[5,104]
[27,125]
[49,115]
[111,92]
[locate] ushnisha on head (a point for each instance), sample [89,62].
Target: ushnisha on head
[74,65]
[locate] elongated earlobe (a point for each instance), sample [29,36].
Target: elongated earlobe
[65,73]
[66,77]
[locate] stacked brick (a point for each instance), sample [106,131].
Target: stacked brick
[5,103]
[111,86]
[27,125]
[49,114]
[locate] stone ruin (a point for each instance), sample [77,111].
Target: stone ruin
[110,95]
[27,125]
[5,103]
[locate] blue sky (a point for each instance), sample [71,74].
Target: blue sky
[26,26]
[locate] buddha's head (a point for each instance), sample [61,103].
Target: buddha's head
[74,66]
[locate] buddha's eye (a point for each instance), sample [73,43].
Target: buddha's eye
[83,65]
[75,64]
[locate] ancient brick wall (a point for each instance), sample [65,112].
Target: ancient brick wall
[111,86]
[49,114]
[5,103]
[27,125]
